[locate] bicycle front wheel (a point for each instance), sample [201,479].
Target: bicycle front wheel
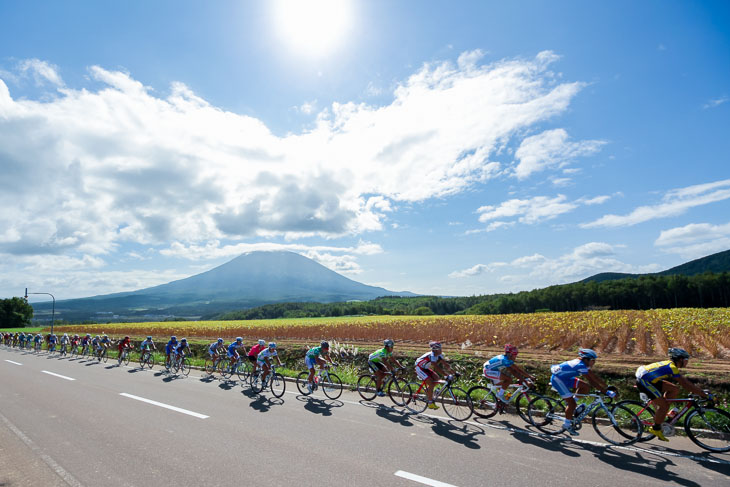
[302,381]
[457,404]
[150,360]
[416,401]
[483,401]
[398,391]
[278,385]
[619,426]
[125,358]
[226,371]
[547,414]
[244,371]
[185,366]
[367,387]
[331,386]
[709,428]
[105,356]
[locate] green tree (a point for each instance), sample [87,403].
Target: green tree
[15,313]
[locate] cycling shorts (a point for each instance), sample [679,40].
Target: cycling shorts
[494,375]
[648,388]
[564,389]
[311,362]
[252,358]
[376,366]
[424,374]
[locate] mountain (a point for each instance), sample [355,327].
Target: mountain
[251,279]
[717,263]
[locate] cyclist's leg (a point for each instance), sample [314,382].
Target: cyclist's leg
[670,391]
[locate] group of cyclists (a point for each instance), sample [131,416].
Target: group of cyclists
[660,381]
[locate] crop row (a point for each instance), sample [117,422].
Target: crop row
[703,332]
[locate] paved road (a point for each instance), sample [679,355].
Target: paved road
[84,432]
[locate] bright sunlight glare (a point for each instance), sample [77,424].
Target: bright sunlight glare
[312,27]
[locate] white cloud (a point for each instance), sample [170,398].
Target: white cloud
[537,270]
[695,240]
[530,211]
[307,107]
[550,149]
[716,102]
[88,170]
[41,71]
[674,202]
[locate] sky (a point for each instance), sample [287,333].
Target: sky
[447,148]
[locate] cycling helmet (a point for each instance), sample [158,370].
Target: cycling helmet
[262,342]
[220,340]
[173,337]
[106,336]
[65,334]
[324,344]
[587,353]
[149,338]
[675,353]
[388,342]
[510,349]
[239,339]
[126,337]
[184,340]
[272,345]
[88,335]
[434,345]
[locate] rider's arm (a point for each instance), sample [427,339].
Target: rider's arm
[596,381]
[520,373]
[688,385]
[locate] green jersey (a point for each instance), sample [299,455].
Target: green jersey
[314,352]
[378,355]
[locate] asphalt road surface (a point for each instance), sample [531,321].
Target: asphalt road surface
[82,423]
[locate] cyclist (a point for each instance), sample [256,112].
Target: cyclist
[565,377]
[317,356]
[19,340]
[124,344]
[264,360]
[75,343]
[429,366]
[146,346]
[215,349]
[96,345]
[381,361]
[181,349]
[105,343]
[38,340]
[501,368]
[233,349]
[254,352]
[64,343]
[52,340]
[85,342]
[171,345]
[654,381]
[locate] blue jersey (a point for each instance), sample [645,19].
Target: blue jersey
[570,369]
[498,363]
[233,347]
[214,346]
[180,347]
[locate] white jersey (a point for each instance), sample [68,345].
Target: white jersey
[266,353]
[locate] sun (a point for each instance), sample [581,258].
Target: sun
[314,28]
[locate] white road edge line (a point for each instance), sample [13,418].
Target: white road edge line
[57,375]
[60,471]
[422,480]
[166,406]
[16,363]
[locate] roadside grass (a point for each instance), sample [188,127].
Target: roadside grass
[29,329]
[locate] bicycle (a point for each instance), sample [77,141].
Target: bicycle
[455,400]
[240,368]
[396,387]
[617,425]
[86,351]
[37,348]
[124,356]
[146,359]
[179,363]
[330,383]
[216,364]
[486,403]
[275,381]
[704,424]
[62,351]
[74,351]
[102,354]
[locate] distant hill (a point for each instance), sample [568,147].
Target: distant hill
[249,280]
[717,263]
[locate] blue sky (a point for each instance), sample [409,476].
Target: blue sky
[437,147]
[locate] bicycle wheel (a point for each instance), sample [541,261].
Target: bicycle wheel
[185,366]
[521,403]
[256,384]
[398,391]
[645,414]
[416,401]
[483,401]
[547,414]
[331,386]
[302,381]
[244,371]
[709,428]
[209,366]
[149,360]
[227,370]
[366,387]
[457,404]
[125,358]
[105,356]
[618,426]
[277,385]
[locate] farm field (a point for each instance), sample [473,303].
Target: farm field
[623,338]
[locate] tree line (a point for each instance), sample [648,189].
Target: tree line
[708,290]
[15,313]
